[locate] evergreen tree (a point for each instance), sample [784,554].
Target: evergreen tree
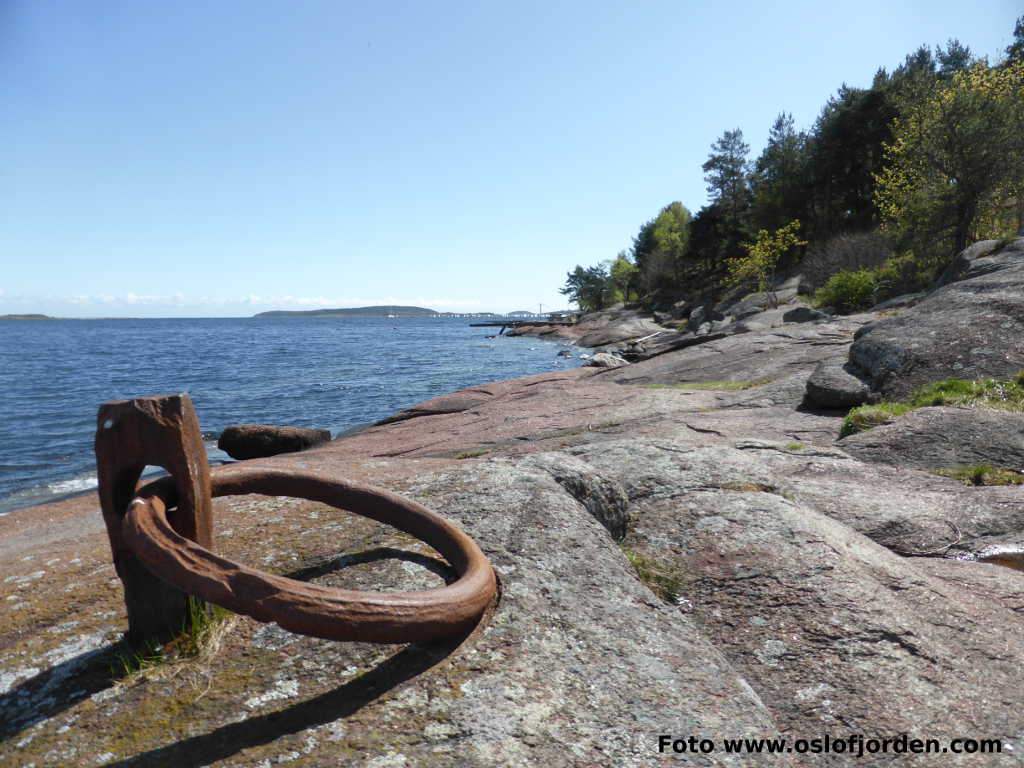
[1015,51]
[777,182]
[727,178]
[726,174]
[590,288]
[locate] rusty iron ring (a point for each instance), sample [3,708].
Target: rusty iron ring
[312,609]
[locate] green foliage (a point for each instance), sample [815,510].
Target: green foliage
[983,474]
[857,290]
[848,292]
[931,155]
[660,248]
[725,171]
[591,288]
[764,254]
[955,166]
[1015,51]
[624,275]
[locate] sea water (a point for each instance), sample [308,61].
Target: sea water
[327,373]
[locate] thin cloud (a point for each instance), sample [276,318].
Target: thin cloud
[178,300]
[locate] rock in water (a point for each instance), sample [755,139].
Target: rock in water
[254,441]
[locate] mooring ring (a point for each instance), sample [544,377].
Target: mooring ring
[313,609]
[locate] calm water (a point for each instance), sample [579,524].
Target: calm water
[328,373]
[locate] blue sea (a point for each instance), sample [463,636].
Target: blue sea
[329,373]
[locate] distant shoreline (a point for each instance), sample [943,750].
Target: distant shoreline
[388,311]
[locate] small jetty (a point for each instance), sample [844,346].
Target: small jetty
[519,322]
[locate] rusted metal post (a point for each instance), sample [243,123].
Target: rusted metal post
[158,431]
[161,536]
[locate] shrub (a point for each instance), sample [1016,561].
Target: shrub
[848,292]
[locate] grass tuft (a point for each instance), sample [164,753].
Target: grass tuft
[988,394]
[201,635]
[473,453]
[666,583]
[867,416]
[983,474]
[992,394]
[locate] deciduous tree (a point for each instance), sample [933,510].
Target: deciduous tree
[955,166]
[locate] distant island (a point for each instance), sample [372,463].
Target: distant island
[384,311]
[377,311]
[25,317]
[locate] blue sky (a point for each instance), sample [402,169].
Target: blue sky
[223,158]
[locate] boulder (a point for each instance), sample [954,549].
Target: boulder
[970,327]
[745,309]
[747,326]
[606,360]
[832,385]
[752,356]
[600,329]
[943,438]
[812,612]
[698,316]
[803,315]
[782,292]
[255,441]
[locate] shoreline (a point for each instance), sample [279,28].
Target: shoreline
[693,516]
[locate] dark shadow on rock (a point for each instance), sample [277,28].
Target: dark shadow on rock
[343,701]
[58,688]
[432,564]
[809,406]
[54,690]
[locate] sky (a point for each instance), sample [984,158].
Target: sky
[207,159]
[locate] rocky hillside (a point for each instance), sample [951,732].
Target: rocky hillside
[685,548]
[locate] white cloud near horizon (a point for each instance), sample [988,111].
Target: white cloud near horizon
[180,301]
